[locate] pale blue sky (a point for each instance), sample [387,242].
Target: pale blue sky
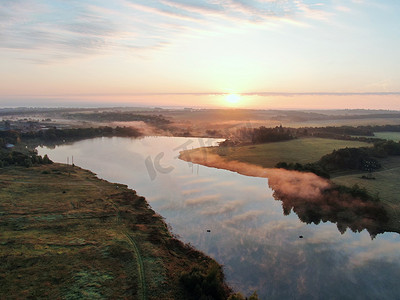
[127,51]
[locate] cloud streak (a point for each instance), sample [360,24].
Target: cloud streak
[243,218]
[202,200]
[259,94]
[223,208]
[48,31]
[45,31]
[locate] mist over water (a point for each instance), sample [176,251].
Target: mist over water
[250,235]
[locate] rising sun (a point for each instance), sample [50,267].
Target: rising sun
[232,98]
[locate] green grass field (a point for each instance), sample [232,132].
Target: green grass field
[386,185]
[395,136]
[303,150]
[65,234]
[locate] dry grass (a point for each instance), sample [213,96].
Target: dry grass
[67,234]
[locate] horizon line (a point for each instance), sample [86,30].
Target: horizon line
[287,94]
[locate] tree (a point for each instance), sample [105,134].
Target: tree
[46,160]
[236,296]
[370,165]
[254,296]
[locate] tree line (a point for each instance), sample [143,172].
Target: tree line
[26,157]
[258,136]
[16,158]
[245,135]
[120,117]
[69,134]
[72,134]
[360,159]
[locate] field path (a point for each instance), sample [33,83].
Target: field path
[140,265]
[132,242]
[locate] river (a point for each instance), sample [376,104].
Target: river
[236,220]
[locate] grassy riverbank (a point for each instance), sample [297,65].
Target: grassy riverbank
[305,150]
[67,234]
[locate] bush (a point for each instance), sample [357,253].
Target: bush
[266,135]
[15,158]
[311,167]
[204,284]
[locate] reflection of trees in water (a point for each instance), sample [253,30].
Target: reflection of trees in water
[340,208]
[279,266]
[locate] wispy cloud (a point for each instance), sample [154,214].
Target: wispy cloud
[223,208]
[48,31]
[81,97]
[244,217]
[261,94]
[202,200]
[313,11]
[191,192]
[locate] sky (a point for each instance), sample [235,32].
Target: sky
[285,54]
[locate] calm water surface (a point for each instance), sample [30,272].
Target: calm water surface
[259,247]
